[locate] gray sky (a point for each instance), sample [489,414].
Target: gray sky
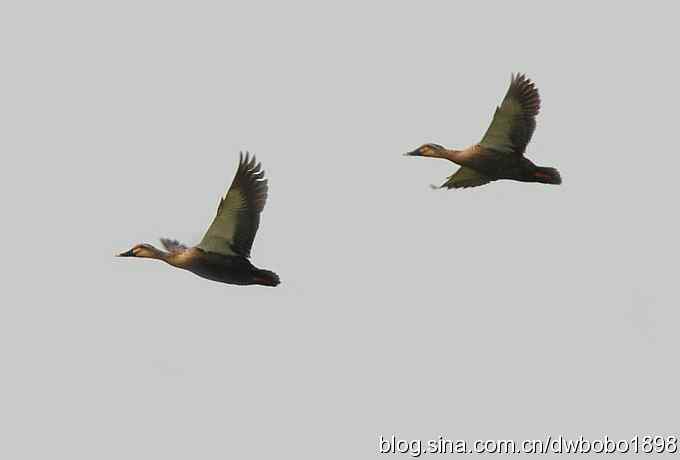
[508,311]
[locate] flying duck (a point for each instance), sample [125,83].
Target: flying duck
[500,153]
[223,253]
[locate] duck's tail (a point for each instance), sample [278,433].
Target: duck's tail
[547,175]
[266,278]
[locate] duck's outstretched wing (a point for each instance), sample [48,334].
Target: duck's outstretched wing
[173,246]
[238,214]
[465,177]
[514,121]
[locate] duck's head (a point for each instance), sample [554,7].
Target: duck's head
[140,250]
[427,150]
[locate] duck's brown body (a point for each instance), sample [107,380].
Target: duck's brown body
[496,165]
[210,265]
[225,269]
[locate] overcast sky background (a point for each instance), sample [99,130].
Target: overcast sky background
[507,311]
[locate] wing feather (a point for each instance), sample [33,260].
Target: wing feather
[514,121]
[173,246]
[238,215]
[465,177]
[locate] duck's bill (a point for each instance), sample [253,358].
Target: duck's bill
[126,254]
[413,153]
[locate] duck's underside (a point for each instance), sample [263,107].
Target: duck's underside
[232,270]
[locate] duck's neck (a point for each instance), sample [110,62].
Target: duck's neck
[451,155]
[155,253]
[180,259]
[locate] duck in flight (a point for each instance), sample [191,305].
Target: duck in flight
[222,255]
[500,153]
